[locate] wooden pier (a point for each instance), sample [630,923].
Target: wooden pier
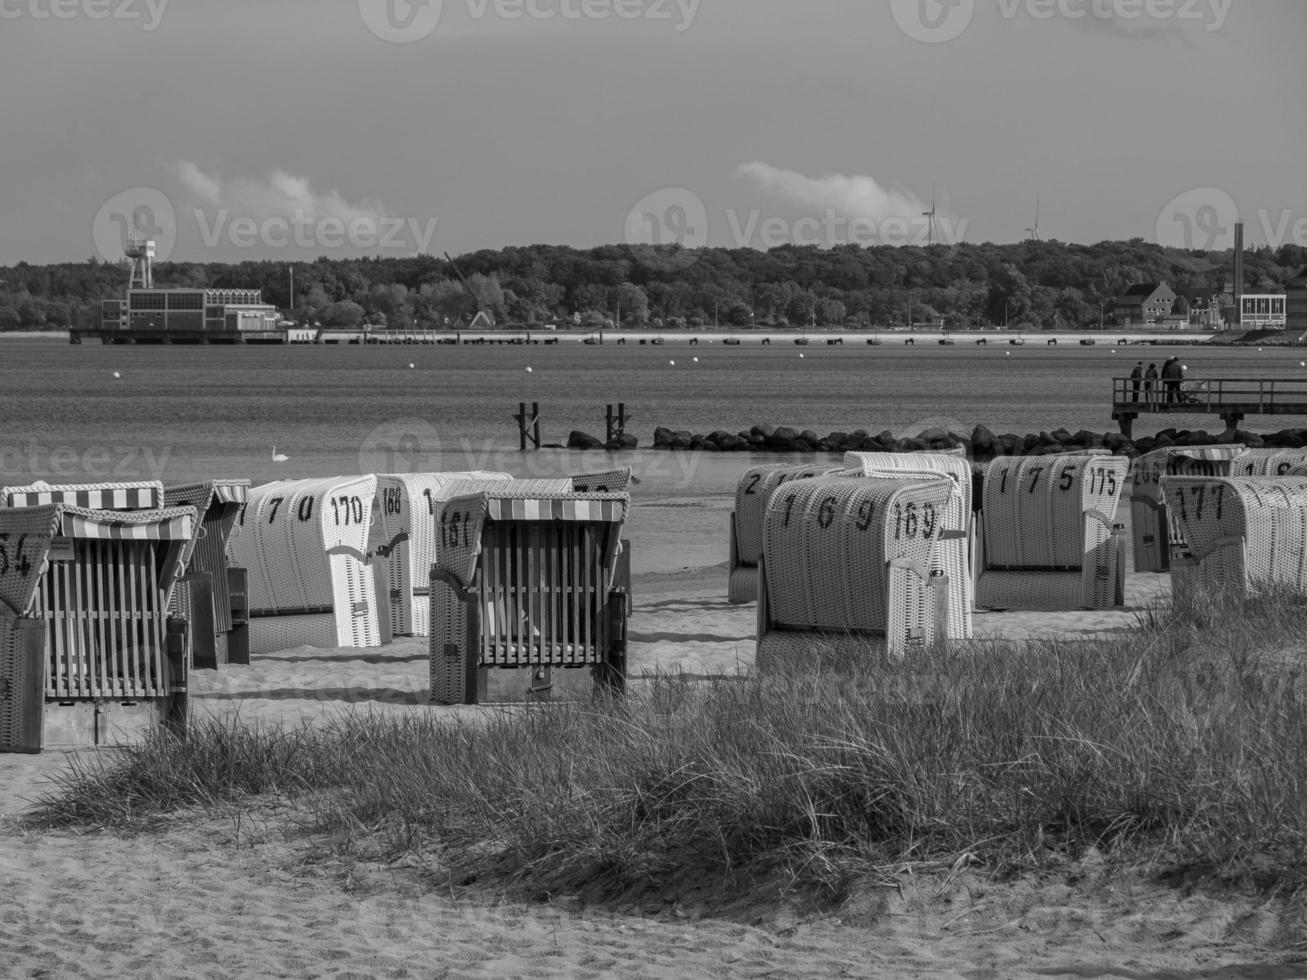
[1232,399]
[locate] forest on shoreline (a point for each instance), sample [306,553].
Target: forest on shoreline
[1032,285]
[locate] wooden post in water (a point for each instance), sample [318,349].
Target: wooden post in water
[528,426]
[615,424]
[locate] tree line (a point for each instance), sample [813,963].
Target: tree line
[1032,284]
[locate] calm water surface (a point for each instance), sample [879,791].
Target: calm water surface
[181,413]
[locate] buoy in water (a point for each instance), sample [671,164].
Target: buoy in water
[672,363]
[117,375]
[411,365]
[528,370]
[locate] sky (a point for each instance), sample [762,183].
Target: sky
[287,129]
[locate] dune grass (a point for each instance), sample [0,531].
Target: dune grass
[1181,746]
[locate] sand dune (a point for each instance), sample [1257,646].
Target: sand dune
[233,900]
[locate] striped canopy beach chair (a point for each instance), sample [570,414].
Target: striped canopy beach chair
[305,546]
[138,495]
[1048,539]
[212,594]
[848,565]
[1242,534]
[1266,462]
[526,601]
[1152,531]
[751,496]
[88,652]
[953,554]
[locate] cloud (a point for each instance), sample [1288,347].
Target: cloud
[850,197]
[282,195]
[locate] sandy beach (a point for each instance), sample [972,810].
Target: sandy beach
[235,898]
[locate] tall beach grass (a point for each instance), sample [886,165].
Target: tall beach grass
[1179,746]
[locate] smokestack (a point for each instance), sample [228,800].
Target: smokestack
[1238,273]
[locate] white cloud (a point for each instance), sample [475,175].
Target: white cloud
[850,197]
[282,195]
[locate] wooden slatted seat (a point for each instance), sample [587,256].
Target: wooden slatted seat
[212,593]
[953,554]
[525,598]
[846,561]
[1048,537]
[1151,529]
[751,495]
[1242,534]
[88,652]
[305,545]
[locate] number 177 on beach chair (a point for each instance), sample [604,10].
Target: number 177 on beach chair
[525,598]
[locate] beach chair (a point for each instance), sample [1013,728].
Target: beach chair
[1242,534]
[953,554]
[751,495]
[1267,462]
[847,568]
[1048,538]
[305,546]
[404,539]
[136,495]
[212,593]
[525,598]
[1152,531]
[89,654]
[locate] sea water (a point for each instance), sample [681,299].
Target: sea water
[95,413]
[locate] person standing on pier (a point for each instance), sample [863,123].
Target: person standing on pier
[1150,382]
[1172,372]
[1136,376]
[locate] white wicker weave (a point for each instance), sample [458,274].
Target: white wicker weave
[304,543]
[1151,530]
[1049,539]
[846,560]
[751,495]
[1242,534]
[953,554]
[1267,462]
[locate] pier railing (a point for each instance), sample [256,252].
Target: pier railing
[1230,398]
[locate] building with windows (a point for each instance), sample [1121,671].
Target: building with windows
[1146,303]
[217,315]
[1263,311]
[1295,302]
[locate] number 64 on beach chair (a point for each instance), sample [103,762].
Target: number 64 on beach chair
[848,559]
[1049,539]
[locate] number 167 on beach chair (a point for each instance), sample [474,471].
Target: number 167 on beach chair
[525,596]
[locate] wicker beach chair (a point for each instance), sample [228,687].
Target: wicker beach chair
[751,495]
[953,554]
[212,594]
[1267,462]
[1048,537]
[88,652]
[1242,534]
[304,544]
[1152,530]
[405,537]
[525,598]
[847,566]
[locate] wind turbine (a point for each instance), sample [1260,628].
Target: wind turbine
[930,216]
[1033,233]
